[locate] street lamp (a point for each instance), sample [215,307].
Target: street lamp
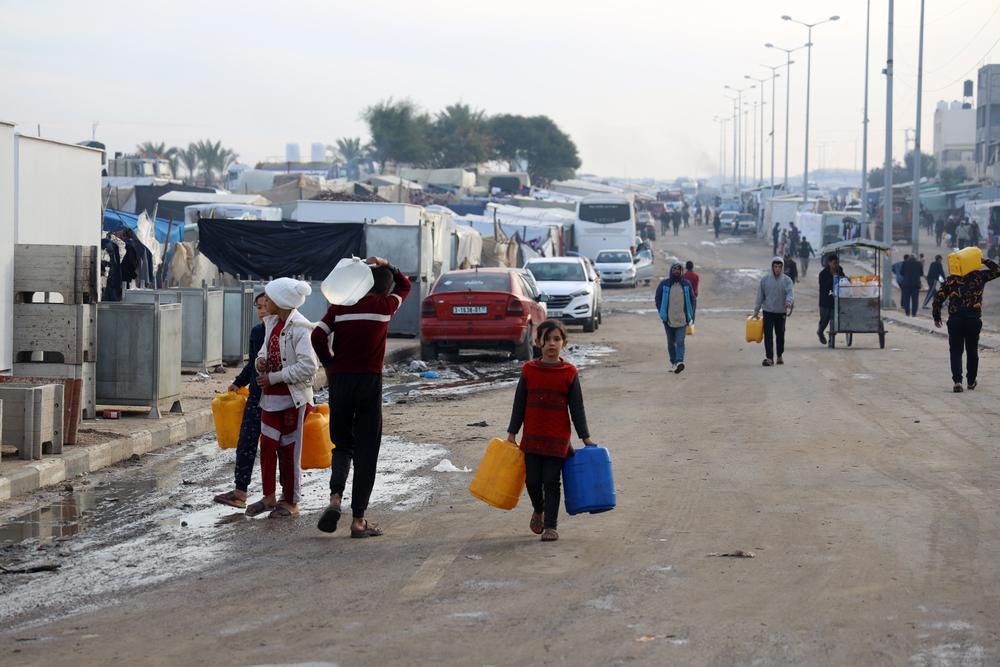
[809,44]
[774,75]
[761,82]
[735,119]
[739,96]
[788,98]
[722,148]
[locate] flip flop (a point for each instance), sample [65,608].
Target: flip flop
[536,524]
[328,521]
[230,498]
[370,530]
[281,512]
[258,507]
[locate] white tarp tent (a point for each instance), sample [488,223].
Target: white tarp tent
[195,212]
[8,236]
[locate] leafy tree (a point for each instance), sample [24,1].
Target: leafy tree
[460,137]
[952,177]
[536,140]
[214,159]
[400,132]
[191,160]
[349,148]
[928,166]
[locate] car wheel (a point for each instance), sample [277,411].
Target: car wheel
[600,317]
[428,351]
[522,350]
[590,324]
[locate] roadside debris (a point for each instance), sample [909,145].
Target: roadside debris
[41,567]
[448,466]
[479,424]
[739,553]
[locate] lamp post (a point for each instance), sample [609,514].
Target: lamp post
[735,119]
[887,169]
[917,158]
[864,149]
[761,83]
[722,148]
[809,44]
[739,107]
[788,97]
[774,75]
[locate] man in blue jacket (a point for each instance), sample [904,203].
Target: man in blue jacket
[674,301]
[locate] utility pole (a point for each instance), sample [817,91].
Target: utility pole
[887,186]
[864,150]
[917,158]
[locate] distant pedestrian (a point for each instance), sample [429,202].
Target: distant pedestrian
[286,366]
[962,234]
[776,296]
[783,244]
[805,252]
[775,235]
[791,269]
[354,366]
[246,446]
[964,295]
[548,394]
[827,283]
[674,303]
[938,230]
[913,274]
[794,235]
[935,276]
[693,278]
[717,224]
[686,216]
[675,220]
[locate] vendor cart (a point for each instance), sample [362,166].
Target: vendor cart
[857,301]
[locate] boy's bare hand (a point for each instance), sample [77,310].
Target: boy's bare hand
[260,365]
[589,442]
[377,261]
[512,437]
[263,381]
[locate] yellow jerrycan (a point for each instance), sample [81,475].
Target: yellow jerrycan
[690,330]
[755,329]
[965,261]
[317,448]
[227,412]
[499,478]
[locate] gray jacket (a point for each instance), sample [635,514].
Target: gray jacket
[774,294]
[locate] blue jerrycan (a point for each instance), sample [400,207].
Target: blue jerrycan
[588,482]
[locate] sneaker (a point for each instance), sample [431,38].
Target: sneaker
[973,385]
[679,367]
[779,361]
[767,362]
[822,338]
[957,389]
[673,368]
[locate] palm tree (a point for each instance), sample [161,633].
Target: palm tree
[214,159]
[153,151]
[350,148]
[191,159]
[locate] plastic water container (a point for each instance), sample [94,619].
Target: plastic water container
[499,478]
[690,330]
[350,280]
[755,329]
[317,448]
[588,481]
[227,412]
[965,261]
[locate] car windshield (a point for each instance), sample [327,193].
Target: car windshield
[474,282]
[614,258]
[556,271]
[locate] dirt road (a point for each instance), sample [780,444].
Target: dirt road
[864,487]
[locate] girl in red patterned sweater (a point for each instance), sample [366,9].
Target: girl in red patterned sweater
[548,393]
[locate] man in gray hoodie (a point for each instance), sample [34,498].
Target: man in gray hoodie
[775,296]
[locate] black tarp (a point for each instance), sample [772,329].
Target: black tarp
[147,196]
[263,249]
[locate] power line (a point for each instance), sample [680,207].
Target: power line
[969,71]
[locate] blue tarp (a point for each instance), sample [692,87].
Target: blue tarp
[116,220]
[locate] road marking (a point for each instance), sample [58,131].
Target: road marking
[427,576]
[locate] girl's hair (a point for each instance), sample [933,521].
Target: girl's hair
[548,326]
[258,297]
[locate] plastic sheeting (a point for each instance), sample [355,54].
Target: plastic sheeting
[262,250]
[116,220]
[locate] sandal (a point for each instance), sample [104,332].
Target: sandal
[536,524]
[258,507]
[282,511]
[230,498]
[328,521]
[550,535]
[370,530]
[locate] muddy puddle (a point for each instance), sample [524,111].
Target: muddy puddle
[141,523]
[471,373]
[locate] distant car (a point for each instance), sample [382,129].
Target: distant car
[644,265]
[646,225]
[482,309]
[573,289]
[726,219]
[744,222]
[616,267]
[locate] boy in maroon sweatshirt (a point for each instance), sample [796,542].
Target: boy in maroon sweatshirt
[353,361]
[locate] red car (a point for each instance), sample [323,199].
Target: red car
[492,309]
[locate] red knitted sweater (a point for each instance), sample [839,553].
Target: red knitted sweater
[546,415]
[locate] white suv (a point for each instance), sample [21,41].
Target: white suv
[573,289]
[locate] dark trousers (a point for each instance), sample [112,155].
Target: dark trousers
[825,315]
[356,431]
[542,478]
[911,299]
[804,263]
[774,323]
[963,335]
[246,446]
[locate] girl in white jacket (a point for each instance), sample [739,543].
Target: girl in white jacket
[286,365]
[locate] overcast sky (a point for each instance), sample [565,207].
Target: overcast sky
[635,83]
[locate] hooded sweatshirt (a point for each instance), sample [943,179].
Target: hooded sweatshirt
[774,293]
[674,300]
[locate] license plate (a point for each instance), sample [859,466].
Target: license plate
[555,313]
[468,310]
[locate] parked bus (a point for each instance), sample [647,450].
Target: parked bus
[602,222]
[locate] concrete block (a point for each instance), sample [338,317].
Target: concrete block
[86,373]
[32,418]
[69,270]
[71,402]
[55,332]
